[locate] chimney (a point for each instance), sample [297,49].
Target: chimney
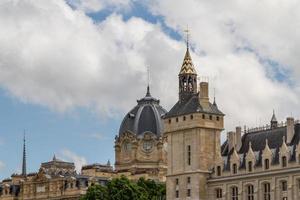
[204,99]
[231,137]
[290,129]
[238,131]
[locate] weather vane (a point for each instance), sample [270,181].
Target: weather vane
[187,36]
[148,75]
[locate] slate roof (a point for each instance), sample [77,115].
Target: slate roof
[258,141]
[192,105]
[146,116]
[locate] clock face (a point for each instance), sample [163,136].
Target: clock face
[147,145]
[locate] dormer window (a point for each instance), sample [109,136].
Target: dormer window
[283,161]
[250,166]
[234,168]
[218,170]
[267,164]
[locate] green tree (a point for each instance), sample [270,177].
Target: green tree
[124,189]
[96,192]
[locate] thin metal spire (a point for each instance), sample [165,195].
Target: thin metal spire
[24,173]
[187,36]
[148,82]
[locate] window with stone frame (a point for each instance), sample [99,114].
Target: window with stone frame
[234,193]
[219,170]
[266,191]
[188,180]
[283,161]
[250,192]
[250,166]
[267,163]
[219,193]
[188,192]
[234,168]
[284,186]
[177,193]
[189,154]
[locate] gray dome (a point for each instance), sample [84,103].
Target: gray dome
[146,116]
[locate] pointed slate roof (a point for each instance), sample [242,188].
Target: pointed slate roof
[187,65]
[273,117]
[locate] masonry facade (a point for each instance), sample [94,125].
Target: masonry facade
[182,148]
[258,164]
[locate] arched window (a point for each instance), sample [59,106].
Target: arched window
[283,161]
[266,191]
[234,193]
[250,192]
[219,193]
[267,164]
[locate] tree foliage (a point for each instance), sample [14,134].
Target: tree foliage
[124,189]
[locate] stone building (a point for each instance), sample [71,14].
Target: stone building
[140,147]
[140,151]
[56,179]
[258,164]
[183,148]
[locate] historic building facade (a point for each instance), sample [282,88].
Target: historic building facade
[140,147]
[183,148]
[261,164]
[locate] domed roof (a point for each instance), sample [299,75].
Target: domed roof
[146,116]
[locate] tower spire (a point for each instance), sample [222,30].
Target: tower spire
[148,82]
[187,37]
[24,155]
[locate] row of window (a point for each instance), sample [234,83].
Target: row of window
[266,191]
[192,117]
[250,166]
[188,191]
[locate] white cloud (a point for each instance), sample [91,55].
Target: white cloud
[91,6]
[2,165]
[222,34]
[70,156]
[58,57]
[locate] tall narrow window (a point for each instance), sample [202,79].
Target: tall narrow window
[219,193]
[250,166]
[188,192]
[283,159]
[284,186]
[219,171]
[188,180]
[267,164]
[234,168]
[177,194]
[250,192]
[189,154]
[266,191]
[234,193]
[177,181]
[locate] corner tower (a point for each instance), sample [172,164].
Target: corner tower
[193,128]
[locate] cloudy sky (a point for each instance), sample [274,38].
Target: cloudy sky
[71,69]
